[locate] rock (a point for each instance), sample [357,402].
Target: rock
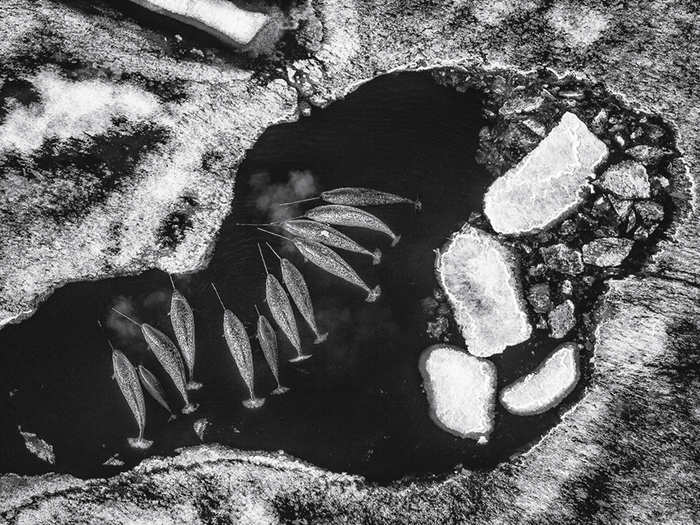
[561,319]
[461,391]
[649,212]
[224,20]
[549,182]
[622,207]
[627,179]
[567,287]
[546,386]
[538,297]
[38,447]
[114,461]
[648,155]
[200,427]
[479,277]
[516,106]
[607,251]
[562,259]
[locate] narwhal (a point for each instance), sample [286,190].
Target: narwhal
[182,320]
[128,382]
[298,289]
[325,234]
[268,343]
[281,310]
[153,387]
[360,197]
[341,215]
[239,346]
[331,262]
[169,358]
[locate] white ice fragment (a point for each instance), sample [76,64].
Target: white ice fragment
[69,109]
[546,386]
[549,182]
[38,447]
[223,19]
[461,391]
[478,275]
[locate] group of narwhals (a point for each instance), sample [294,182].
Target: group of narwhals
[313,236]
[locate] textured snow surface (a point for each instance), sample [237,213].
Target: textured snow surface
[549,182]
[546,386]
[479,278]
[461,390]
[70,110]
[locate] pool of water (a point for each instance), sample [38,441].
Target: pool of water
[356,406]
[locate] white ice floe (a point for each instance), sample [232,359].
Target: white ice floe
[69,109]
[478,275]
[38,447]
[546,386]
[461,391]
[220,18]
[549,182]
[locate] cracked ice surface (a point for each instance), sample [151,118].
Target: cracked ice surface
[549,182]
[479,278]
[546,386]
[461,391]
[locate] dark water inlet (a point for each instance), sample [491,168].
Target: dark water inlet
[357,405]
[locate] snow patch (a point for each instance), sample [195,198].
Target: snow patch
[70,109]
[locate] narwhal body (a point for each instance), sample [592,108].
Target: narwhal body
[239,345]
[341,215]
[128,382]
[182,320]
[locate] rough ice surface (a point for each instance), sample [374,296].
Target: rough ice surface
[221,18]
[479,278]
[607,251]
[549,182]
[546,386]
[627,180]
[70,110]
[461,391]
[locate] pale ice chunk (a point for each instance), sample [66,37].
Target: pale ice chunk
[38,447]
[220,18]
[461,391]
[478,275]
[546,386]
[549,182]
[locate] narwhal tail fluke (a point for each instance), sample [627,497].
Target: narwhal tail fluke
[172,417]
[189,408]
[417,205]
[253,402]
[376,256]
[320,338]
[280,390]
[374,294]
[395,240]
[193,385]
[139,443]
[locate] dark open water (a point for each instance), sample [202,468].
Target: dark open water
[358,404]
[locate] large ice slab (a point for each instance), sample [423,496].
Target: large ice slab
[546,386]
[478,275]
[461,391]
[549,182]
[223,19]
